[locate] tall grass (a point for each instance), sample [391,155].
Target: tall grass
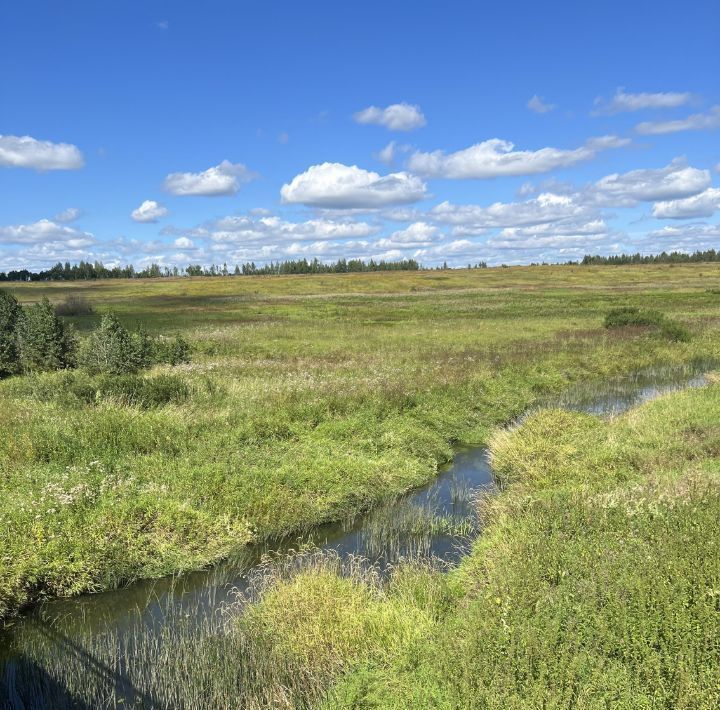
[307,401]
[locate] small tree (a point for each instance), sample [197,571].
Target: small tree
[10,313]
[112,349]
[44,341]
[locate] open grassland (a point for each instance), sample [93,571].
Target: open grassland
[307,398]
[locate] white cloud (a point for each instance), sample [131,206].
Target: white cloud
[674,181]
[495,158]
[243,229]
[552,241]
[163,24]
[68,215]
[415,235]
[625,102]
[149,211]
[574,228]
[223,179]
[690,237]
[27,152]
[283,138]
[184,243]
[538,105]
[339,186]
[545,208]
[703,205]
[44,231]
[387,154]
[708,121]
[397,117]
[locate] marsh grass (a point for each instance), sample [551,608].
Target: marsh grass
[302,405]
[310,399]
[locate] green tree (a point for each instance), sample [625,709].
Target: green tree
[44,341]
[10,313]
[111,349]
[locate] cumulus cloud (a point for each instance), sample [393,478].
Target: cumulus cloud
[625,102]
[223,179]
[708,121]
[45,231]
[538,105]
[184,243]
[545,208]
[396,117]
[28,152]
[497,158]
[245,229]
[546,241]
[674,181]
[414,235]
[703,205]
[68,215]
[690,237]
[593,227]
[149,211]
[338,186]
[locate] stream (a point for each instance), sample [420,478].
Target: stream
[96,642]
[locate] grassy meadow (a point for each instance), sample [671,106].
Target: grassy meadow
[596,582]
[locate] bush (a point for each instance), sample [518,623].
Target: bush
[628,315]
[631,316]
[44,341]
[74,306]
[675,331]
[10,313]
[172,352]
[111,349]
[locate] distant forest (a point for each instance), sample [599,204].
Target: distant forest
[86,271]
[674,257]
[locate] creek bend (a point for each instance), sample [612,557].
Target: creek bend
[98,633]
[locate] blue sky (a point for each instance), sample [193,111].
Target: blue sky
[214,132]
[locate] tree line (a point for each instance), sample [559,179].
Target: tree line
[90,271]
[673,257]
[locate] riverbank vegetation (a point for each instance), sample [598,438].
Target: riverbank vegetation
[307,399]
[595,583]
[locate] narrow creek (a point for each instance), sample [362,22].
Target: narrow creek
[89,641]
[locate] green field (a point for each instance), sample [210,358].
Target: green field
[596,583]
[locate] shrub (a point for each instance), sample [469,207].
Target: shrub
[628,315]
[675,331]
[631,316]
[74,306]
[111,349]
[44,341]
[10,313]
[172,352]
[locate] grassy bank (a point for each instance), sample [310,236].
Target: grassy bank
[595,584]
[307,398]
